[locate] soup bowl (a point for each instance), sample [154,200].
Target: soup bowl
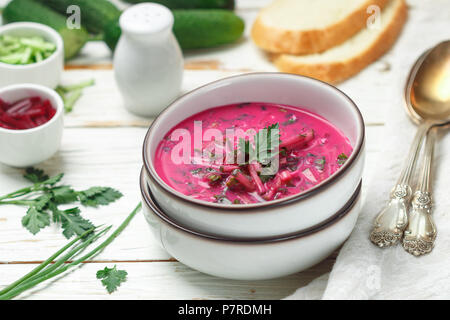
[272,218]
[250,258]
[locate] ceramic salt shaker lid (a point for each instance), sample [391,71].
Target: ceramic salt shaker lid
[146,18]
[148,63]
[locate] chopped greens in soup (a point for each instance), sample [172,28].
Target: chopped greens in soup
[250,153]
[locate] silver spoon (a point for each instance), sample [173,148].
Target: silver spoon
[428,104]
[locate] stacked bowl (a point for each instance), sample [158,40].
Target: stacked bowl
[260,240]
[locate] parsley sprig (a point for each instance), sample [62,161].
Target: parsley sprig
[45,197]
[264,143]
[112,278]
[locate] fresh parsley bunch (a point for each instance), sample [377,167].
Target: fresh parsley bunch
[45,197]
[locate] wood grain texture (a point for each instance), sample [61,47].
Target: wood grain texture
[160,280]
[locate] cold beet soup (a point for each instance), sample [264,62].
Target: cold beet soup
[250,153]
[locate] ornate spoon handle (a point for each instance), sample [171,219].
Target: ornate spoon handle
[421,232]
[393,219]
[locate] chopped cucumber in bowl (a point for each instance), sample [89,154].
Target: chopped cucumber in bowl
[24,50]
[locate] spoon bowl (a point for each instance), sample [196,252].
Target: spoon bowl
[428,90]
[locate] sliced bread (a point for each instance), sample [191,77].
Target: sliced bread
[349,58]
[310,26]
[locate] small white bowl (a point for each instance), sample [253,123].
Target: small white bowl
[23,148]
[287,215]
[46,72]
[250,259]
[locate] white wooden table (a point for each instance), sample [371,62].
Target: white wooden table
[102,146]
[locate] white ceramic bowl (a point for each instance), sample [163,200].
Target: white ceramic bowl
[47,72]
[250,259]
[287,215]
[23,148]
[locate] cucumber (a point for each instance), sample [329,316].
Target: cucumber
[31,11]
[192,4]
[194,29]
[197,29]
[95,14]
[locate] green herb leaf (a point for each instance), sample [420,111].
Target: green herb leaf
[112,278]
[264,143]
[96,196]
[342,158]
[265,178]
[53,180]
[222,199]
[320,163]
[41,202]
[71,222]
[35,175]
[196,171]
[64,195]
[35,220]
[214,177]
[44,196]
[265,149]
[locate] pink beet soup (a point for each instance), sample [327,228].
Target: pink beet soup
[250,153]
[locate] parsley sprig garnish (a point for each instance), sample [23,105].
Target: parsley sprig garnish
[45,197]
[264,143]
[112,278]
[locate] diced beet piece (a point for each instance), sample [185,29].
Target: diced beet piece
[297,141]
[254,168]
[5,125]
[228,168]
[285,176]
[244,180]
[26,120]
[274,186]
[3,105]
[49,110]
[39,121]
[35,111]
[20,107]
[16,124]
[52,113]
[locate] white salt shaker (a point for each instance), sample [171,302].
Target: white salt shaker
[148,62]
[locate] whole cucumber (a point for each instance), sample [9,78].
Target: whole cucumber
[194,29]
[192,4]
[31,11]
[95,14]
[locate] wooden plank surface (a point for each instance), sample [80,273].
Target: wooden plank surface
[102,146]
[160,280]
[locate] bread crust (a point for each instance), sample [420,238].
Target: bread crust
[311,41]
[341,70]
